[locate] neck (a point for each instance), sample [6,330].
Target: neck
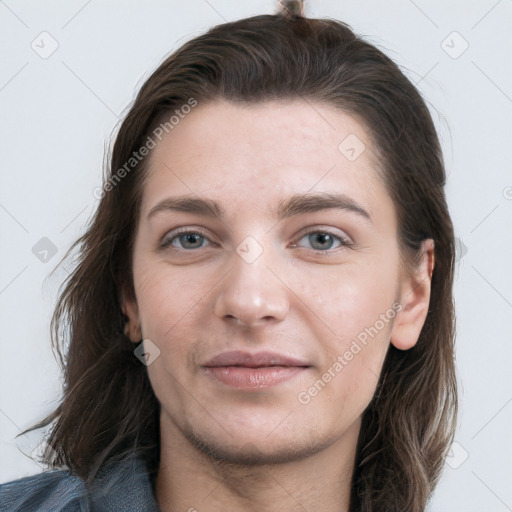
[190,480]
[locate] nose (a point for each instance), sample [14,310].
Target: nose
[251,294]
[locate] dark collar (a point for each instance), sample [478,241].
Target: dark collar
[125,485]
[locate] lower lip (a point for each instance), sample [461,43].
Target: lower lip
[242,377]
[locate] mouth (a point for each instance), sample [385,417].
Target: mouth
[253,372]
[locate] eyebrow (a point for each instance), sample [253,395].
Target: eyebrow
[295,205]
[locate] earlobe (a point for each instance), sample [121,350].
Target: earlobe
[415,300]
[132,328]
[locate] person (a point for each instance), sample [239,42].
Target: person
[261,314]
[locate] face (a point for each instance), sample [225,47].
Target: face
[267,273]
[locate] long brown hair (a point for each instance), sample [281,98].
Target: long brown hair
[109,409]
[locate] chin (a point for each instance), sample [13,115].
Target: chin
[241,448]
[257,452]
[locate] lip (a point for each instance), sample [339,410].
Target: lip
[254,360]
[253,371]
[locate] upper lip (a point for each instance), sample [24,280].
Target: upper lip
[254,360]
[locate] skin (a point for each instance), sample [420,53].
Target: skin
[224,448]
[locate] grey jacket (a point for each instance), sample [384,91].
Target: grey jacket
[125,487]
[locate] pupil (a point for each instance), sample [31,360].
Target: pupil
[191,239]
[323,238]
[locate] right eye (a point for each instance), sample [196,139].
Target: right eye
[185,240]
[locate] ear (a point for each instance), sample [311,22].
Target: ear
[132,328]
[414,299]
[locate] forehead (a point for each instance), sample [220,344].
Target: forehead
[258,154]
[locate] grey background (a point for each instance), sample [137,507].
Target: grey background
[59,110]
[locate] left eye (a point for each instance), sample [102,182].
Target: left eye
[323,240]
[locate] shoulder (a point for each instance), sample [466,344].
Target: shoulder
[123,485]
[56,491]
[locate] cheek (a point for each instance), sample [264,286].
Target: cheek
[348,299]
[352,359]
[169,301]
[353,315]
[168,298]
[173,307]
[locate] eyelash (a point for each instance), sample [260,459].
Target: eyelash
[344,242]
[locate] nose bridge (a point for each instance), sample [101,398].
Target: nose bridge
[251,293]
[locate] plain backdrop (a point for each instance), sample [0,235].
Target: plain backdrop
[70,69]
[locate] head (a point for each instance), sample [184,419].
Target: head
[290,198]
